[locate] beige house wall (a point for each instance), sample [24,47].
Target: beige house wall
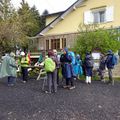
[50,19]
[68,27]
[71,21]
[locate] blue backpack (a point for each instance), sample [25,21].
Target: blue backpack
[114,60]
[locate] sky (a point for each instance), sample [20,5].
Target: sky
[51,5]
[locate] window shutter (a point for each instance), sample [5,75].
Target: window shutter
[88,17]
[109,14]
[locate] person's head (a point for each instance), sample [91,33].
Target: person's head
[46,56]
[65,50]
[109,52]
[22,54]
[55,51]
[50,53]
[87,53]
[78,56]
[12,54]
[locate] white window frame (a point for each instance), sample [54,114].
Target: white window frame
[98,13]
[89,15]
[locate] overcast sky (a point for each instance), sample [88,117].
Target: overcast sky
[51,5]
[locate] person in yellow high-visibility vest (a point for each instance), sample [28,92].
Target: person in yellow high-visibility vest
[24,66]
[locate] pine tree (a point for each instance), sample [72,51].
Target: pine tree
[5,9]
[30,19]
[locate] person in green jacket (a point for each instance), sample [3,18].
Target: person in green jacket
[24,66]
[40,60]
[13,70]
[8,68]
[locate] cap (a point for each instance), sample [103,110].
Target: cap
[54,50]
[22,53]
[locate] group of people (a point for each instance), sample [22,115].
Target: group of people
[73,67]
[70,64]
[107,61]
[10,65]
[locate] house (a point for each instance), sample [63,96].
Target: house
[62,28]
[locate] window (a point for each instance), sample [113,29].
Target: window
[99,16]
[63,42]
[55,43]
[47,44]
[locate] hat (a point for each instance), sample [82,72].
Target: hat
[66,49]
[22,53]
[110,52]
[55,51]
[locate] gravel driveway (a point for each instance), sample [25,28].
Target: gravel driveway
[97,101]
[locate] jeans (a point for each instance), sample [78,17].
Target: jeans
[24,73]
[89,72]
[52,81]
[58,76]
[101,73]
[110,75]
[71,80]
[11,80]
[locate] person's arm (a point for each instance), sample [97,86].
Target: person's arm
[40,59]
[13,64]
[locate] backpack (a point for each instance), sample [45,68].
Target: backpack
[114,60]
[49,65]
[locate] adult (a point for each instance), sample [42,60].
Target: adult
[40,60]
[102,67]
[57,64]
[24,66]
[51,75]
[8,68]
[67,69]
[110,65]
[78,66]
[88,67]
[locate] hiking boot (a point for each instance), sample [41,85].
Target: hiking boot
[66,86]
[24,81]
[72,87]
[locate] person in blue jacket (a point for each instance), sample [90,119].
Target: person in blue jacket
[78,66]
[109,65]
[88,67]
[67,70]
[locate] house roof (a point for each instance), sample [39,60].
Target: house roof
[60,17]
[53,14]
